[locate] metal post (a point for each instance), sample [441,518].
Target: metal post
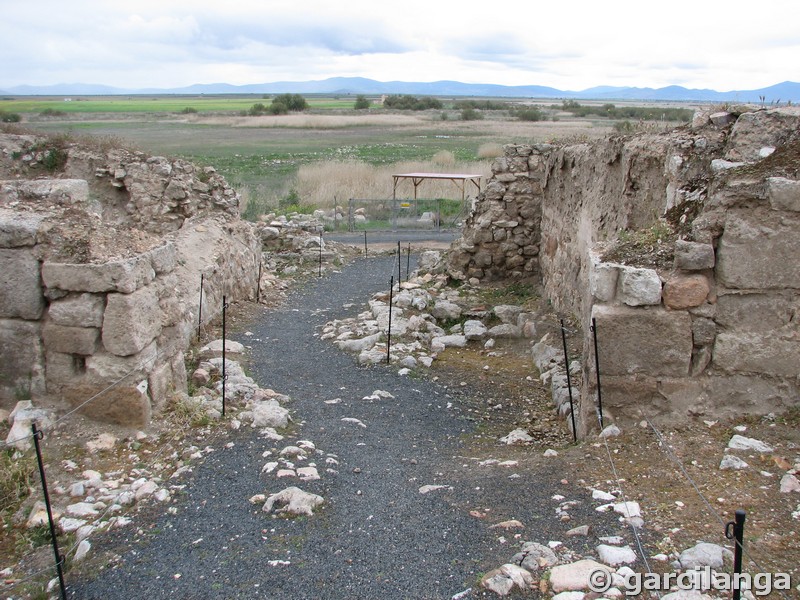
[597,372]
[224,374]
[408,260]
[399,257]
[258,284]
[389,331]
[335,225]
[569,383]
[200,308]
[734,530]
[320,254]
[37,435]
[365,244]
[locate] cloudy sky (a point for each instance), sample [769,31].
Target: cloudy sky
[565,44]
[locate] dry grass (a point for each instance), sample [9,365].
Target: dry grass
[313,121]
[319,183]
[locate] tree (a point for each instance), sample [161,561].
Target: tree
[361,102]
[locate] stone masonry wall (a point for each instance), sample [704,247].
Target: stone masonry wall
[97,305]
[711,333]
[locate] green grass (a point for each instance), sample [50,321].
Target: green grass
[154,104]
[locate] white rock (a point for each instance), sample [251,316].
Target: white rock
[68,525]
[731,462]
[739,442]
[704,555]
[518,436]
[146,489]
[550,453]
[294,501]
[82,509]
[575,576]
[82,551]
[616,555]
[354,421]
[610,431]
[425,489]
[628,509]
[270,414]
[308,473]
[103,442]
[569,596]
[502,580]
[603,496]
[789,483]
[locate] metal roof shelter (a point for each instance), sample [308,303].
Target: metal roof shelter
[460,180]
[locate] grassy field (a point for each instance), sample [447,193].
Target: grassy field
[329,152]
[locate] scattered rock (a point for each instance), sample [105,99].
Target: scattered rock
[739,442]
[518,436]
[294,501]
[502,580]
[575,576]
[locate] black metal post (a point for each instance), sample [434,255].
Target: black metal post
[37,435]
[224,374]
[320,254]
[569,383]
[735,531]
[200,307]
[597,372]
[365,244]
[389,331]
[258,284]
[399,256]
[408,260]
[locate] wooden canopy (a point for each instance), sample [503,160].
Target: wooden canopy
[460,180]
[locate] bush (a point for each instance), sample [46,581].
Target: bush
[9,117]
[470,114]
[188,110]
[530,114]
[361,102]
[403,102]
[51,112]
[291,199]
[292,102]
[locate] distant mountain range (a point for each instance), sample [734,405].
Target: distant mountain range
[781,92]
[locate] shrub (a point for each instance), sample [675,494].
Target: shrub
[291,199]
[361,102]
[490,150]
[188,110]
[292,102]
[470,114]
[259,108]
[530,114]
[51,112]
[9,117]
[404,102]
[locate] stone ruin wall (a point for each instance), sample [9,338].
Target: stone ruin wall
[101,270]
[713,333]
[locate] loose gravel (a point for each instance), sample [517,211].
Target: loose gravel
[376,536]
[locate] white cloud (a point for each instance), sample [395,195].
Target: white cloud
[149,43]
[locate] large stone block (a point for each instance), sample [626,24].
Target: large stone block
[131,321]
[649,341]
[693,256]
[685,291]
[22,364]
[759,250]
[126,404]
[743,352]
[78,310]
[70,340]
[106,368]
[755,312]
[639,287]
[20,286]
[123,276]
[18,229]
[784,194]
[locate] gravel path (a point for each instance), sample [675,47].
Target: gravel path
[376,536]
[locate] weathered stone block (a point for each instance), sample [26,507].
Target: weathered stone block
[755,312]
[124,276]
[649,341]
[70,340]
[639,287]
[703,331]
[784,194]
[105,368]
[602,278]
[693,256]
[685,291]
[125,404]
[759,250]
[20,285]
[22,364]
[131,321]
[163,258]
[18,229]
[78,310]
[745,352]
